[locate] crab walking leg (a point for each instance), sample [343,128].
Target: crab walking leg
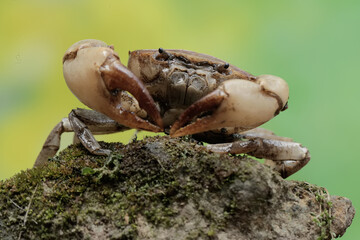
[232,134]
[52,143]
[85,136]
[84,123]
[284,156]
[76,139]
[279,166]
[98,123]
[262,133]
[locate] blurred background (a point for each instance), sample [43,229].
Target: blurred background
[314,45]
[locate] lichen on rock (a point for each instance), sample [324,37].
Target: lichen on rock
[164,188]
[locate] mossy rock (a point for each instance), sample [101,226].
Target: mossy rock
[164,188]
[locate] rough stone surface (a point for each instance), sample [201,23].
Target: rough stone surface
[163,188]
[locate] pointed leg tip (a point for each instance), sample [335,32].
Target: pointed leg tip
[290,169]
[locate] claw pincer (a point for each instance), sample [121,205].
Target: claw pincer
[238,103]
[95,75]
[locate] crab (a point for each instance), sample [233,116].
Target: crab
[178,92]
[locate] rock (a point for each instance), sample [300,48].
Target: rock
[164,188]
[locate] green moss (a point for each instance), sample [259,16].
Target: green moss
[147,182]
[148,178]
[322,218]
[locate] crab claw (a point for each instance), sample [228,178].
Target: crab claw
[95,75]
[238,103]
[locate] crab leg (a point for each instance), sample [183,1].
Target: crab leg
[52,142]
[258,133]
[281,153]
[85,136]
[284,167]
[96,123]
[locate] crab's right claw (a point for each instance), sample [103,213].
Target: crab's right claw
[95,75]
[118,78]
[238,103]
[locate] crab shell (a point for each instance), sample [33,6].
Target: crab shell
[94,74]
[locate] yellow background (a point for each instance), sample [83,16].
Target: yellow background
[314,45]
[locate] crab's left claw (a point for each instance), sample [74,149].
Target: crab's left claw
[238,103]
[95,75]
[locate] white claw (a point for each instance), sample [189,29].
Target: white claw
[81,71]
[245,105]
[95,75]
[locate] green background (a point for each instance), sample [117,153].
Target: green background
[314,45]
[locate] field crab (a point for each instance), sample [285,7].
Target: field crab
[179,92]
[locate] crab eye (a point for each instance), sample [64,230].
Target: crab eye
[285,107]
[222,68]
[163,55]
[115,92]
